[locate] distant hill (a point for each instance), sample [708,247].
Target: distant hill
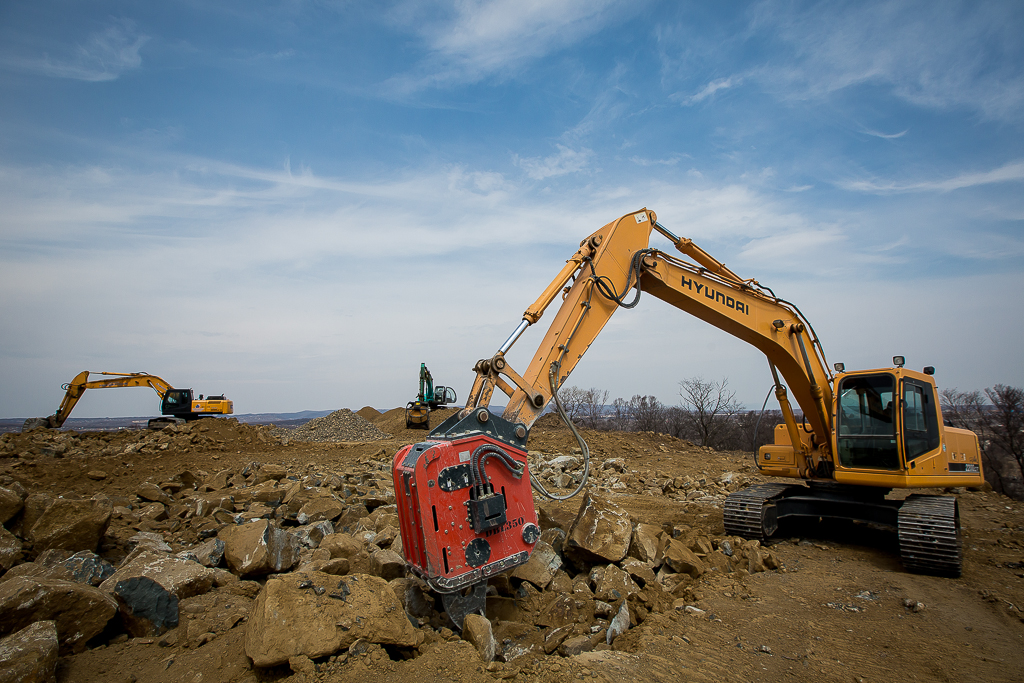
[96,424]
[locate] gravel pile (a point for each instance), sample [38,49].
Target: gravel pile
[341,425]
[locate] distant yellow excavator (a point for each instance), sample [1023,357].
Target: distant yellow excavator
[862,434]
[176,404]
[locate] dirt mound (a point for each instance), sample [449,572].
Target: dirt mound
[393,421]
[341,425]
[368,413]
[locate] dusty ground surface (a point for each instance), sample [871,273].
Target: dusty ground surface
[839,609]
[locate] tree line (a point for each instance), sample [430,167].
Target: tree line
[996,415]
[709,415]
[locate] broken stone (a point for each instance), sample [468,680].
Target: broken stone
[146,607]
[544,562]
[259,548]
[10,504]
[476,630]
[288,621]
[72,524]
[681,559]
[644,544]
[387,564]
[319,509]
[575,646]
[148,540]
[602,530]
[153,494]
[183,578]
[639,571]
[10,549]
[612,584]
[81,611]
[619,623]
[30,655]
[311,535]
[209,553]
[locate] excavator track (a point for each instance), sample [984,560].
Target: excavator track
[748,513]
[929,533]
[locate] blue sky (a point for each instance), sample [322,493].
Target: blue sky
[296,203]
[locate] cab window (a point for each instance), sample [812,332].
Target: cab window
[920,420]
[866,425]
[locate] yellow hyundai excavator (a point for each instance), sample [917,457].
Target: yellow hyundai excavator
[862,434]
[175,404]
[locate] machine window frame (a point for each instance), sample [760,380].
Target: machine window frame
[918,442]
[864,438]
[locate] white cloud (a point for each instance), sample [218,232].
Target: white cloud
[886,136]
[104,56]
[933,54]
[481,38]
[1012,172]
[710,89]
[564,162]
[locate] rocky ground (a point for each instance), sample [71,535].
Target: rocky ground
[219,552]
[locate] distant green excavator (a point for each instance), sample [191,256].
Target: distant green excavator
[417,413]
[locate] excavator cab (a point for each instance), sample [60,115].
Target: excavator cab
[177,402]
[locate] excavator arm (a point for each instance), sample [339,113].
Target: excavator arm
[76,387]
[610,270]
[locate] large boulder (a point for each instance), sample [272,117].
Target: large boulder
[146,607]
[84,566]
[644,545]
[681,559]
[601,531]
[181,577]
[542,566]
[11,504]
[72,524]
[81,611]
[259,548]
[30,655]
[315,615]
[10,549]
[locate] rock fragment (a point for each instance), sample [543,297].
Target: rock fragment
[30,655]
[477,631]
[259,548]
[81,611]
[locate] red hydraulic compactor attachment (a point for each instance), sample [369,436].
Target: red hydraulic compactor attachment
[465,507]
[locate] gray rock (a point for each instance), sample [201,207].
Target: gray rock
[387,564]
[209,553]
[619,623]
[30,655]
[146,607]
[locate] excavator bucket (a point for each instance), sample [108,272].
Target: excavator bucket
[417,415]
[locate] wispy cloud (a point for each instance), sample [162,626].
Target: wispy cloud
[709,90]
[482,38]
[104,56]
[564,162]
[933,54]
[885,136]
[1013,172]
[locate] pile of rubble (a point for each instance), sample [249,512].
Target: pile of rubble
[192,556]
[341,425]
[564,472]
[201,435]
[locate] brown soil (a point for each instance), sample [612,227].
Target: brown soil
[837,611]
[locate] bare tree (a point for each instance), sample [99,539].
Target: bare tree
[708,408]
[571,399]
[592,408]
[998,427]
[1005,422]
[646,414]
